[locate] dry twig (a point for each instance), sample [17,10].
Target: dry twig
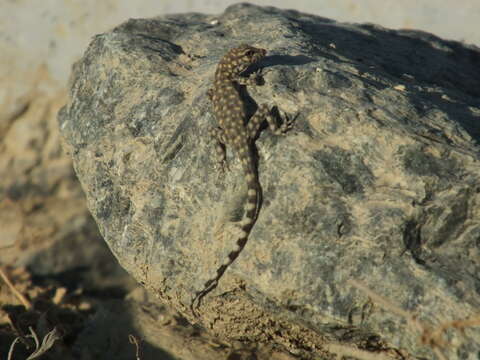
[17,293]
[134,340]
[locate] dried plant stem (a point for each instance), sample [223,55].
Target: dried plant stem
[18,294]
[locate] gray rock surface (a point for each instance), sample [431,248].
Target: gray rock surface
[378,184]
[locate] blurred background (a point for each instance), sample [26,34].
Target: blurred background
[50,248]
[55,32]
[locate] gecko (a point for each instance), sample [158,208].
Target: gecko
[239,132]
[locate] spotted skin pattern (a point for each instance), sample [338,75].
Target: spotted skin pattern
[237,131]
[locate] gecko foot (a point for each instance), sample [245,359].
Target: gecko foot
[288,123]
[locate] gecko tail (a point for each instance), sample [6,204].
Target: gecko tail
[251,212]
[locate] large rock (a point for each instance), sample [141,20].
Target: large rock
[377,185]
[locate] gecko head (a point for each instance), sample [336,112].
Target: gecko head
[238,59]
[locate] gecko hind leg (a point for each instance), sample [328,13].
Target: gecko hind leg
[264,112]
[219,135]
